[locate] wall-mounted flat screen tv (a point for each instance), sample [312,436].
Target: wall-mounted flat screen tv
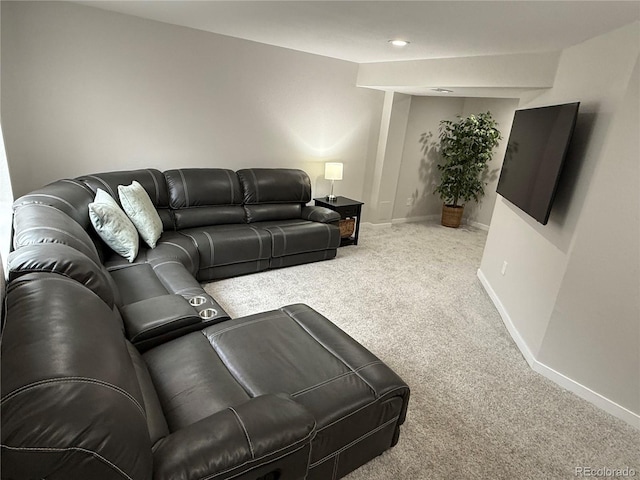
[536,151]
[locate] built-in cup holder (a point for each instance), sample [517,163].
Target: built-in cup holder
[199,300]
[208,313]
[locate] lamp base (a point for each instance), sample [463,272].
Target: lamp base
[332,198]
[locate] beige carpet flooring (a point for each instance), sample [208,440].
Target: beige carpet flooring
[410,294]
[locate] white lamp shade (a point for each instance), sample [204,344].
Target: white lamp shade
[333,171]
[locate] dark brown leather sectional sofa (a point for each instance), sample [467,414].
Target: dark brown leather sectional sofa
[122,370]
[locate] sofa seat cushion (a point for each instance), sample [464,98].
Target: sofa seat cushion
[229,244]
[192,380]
[297,351]
[350,430]
[171,247]
[301,237]
[137,282]
[175,246]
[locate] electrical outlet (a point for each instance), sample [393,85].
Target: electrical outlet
[409,202]
[504,267]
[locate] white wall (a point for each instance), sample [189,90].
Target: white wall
[569,293]
[600,290]
[418,174]
[6,199]
[395,115]
[85,90]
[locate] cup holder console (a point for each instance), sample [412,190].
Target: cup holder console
[208,313]
[198,300]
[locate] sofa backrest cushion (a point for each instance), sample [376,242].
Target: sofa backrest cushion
[71,401]
[66,261]
[274,193]
[274,185]
[69,196]
[204,196]
[151,180]
[37,223]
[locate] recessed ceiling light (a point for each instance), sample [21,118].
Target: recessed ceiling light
[442,90]
[399,43]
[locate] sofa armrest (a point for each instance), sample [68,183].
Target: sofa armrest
[319,214]
[158,319]
[264,434]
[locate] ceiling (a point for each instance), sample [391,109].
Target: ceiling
[358,31]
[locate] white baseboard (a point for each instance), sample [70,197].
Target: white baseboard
[513,331]
[423,218]
[377,225]
[589,395]
[582,391]
[395,221]
[436,218]
[481,226]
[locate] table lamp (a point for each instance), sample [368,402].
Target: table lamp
[332,171]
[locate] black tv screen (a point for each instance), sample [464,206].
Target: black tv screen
[535,154]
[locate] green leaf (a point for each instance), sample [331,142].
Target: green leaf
[466,146]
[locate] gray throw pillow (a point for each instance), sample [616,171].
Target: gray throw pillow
[113,225]
[139,208]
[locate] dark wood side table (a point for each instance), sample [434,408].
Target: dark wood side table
[347,208]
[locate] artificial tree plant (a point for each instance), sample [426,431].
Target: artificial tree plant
[465,146]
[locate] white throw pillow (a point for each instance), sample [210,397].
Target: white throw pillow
[138,206]
[113,225]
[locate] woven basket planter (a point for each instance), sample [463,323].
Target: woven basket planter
[347,225]
[452,215]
